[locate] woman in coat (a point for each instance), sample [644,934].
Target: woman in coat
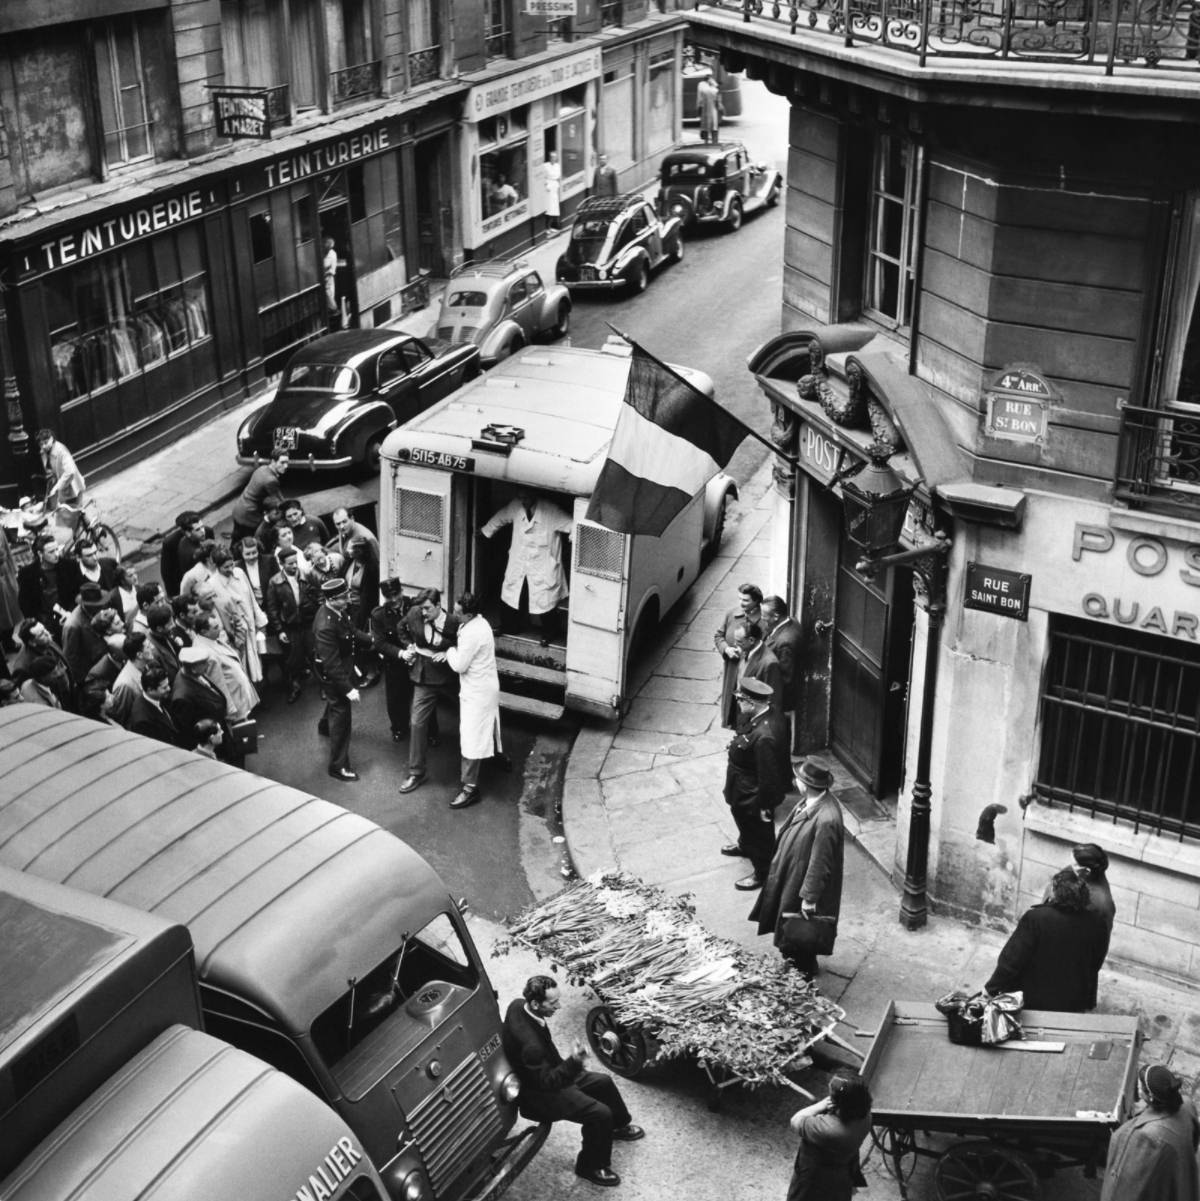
[473,657]
[250,622]
[748,612]
[1153,1156]
[831,1132]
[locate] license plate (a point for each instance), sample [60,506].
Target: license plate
[589,273]
[286,437]
[441,459]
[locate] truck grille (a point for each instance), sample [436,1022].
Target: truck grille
[456,1122]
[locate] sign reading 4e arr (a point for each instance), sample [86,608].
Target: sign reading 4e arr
[997,590]
[1018,403]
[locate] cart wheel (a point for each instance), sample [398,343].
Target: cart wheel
[621,1050]
[982,1171]
[898,1149]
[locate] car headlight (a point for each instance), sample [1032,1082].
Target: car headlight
[510,1087]
[414,1188]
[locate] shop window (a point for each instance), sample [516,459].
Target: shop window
[503,162]
[120,316]
[566,131]
[262,245]
[660,110]
[1121,722]
[892,229]
[616,117]
[560,29]
[498,29]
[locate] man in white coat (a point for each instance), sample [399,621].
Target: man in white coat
[535,561]
[474,659]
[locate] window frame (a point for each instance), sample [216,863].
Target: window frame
[104,39]
[903,259]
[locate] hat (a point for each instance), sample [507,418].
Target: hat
[91,597]
[755,690]
[1089,855]
[333,589]
[193,654]
[391,586]
[1160,1082]
[814,775]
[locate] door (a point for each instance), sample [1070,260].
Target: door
[597,618]
[419,525]
[335,224]
[435,220]
[872,634]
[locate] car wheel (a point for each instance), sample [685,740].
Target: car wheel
[639,277]
[718,532]
[773,196]
[734,221]
[508,348]
[562,327]
[675,254]
[372,453]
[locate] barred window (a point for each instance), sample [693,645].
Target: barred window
[419,514]
[1121,726]
[599,552]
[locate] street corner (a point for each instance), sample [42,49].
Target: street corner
[586,827]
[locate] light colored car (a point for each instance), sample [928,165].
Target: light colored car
[501,306]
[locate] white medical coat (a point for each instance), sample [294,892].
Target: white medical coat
[535,555]
[474,658]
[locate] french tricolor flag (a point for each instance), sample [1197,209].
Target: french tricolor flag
[670,439]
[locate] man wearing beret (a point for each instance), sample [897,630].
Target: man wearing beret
[195,695]
[333,650]
[804,881]
[756,778]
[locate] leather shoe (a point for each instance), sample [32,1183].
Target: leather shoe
[344,773]
[410,782]
[734,851]
[750,883]
[467,796]
[604,1176]
[628,1134]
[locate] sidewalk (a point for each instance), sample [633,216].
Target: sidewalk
[644,796]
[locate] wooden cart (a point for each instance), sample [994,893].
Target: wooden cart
[1021,1109]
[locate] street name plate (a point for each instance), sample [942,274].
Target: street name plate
[997,590]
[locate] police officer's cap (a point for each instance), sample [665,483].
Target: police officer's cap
[755,690]
[333,589]
[391,586]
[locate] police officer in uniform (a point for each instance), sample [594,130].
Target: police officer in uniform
[389,637]
[756,779]
[333,650]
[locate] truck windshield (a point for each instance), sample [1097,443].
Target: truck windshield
[373,1019]
[321,377]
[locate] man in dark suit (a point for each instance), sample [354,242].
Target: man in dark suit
[43,588]
[179,549]
[554,1089]
[756,779]
[333,654]
[784,639]
[805,877]
[431,630]
[87,566]
[193,696]
[756,663]
[36,643]
[159,620]
[86,628]
[148,714]
[291,603]
[389,640]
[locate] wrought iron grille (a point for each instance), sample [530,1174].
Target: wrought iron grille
[600,552]
[424,65]
[1159,458]
[1121,721]
[419,514]
[611,12]
[495,45]
[357,82]
[1097,33]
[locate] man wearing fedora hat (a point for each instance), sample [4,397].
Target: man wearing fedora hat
[333,654]
[755,778]
[804,881]
[83,631]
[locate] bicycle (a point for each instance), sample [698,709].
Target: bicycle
[85,524]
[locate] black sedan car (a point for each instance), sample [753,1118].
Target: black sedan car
[616,241]
[342,394]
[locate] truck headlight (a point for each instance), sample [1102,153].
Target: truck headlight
[415,1188]
[510,1087]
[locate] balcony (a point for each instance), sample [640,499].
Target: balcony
[1101,34]
[356,83]
[611,13]
[424,65]
[495,45]
[1158,464]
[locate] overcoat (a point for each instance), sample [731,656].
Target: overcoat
[785,642]
[535,555]
[725,636]
[474,658]
[1152,1157]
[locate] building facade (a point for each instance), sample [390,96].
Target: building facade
[170,171]
[990,270]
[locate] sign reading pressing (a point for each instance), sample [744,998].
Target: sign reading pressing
[551,8]
[997,590]
[1017,405]
[241,114]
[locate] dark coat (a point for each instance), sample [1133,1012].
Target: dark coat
[333,649]
[1152,1157]
[422,669]
[367,593]
[532,1054]
[827,1163]
[61,683]
[1054,958]
[166,652]
[785,642]
[98,683]
[177,555]
[194,697]
[760,665]
[81,644]
[283,611]
[807,866]
[35,599]
[757,775]
[153,722]
[389,631]
[72,580]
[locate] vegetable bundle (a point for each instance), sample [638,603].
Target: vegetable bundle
[648,959]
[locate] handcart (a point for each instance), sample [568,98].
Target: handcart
[668,988]
[1020,1109]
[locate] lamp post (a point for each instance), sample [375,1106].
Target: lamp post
[875,502]
[16,435]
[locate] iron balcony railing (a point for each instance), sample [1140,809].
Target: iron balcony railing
[357,82]
[1093,33]
[424,65]
[1158,464]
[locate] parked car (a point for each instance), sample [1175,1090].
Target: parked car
[343,393]
[501,306]
[717,182]
[616,242]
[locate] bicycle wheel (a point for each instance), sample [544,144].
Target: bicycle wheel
[106,540]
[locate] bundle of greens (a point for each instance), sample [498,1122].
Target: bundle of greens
[658,970]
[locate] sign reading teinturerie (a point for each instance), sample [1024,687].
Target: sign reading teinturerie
[241,114]
[1017,405]
[551,8]
[997,590]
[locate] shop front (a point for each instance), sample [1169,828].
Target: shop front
[512,124]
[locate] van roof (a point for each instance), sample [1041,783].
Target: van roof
[189,1116]
[243,862]
[565,399]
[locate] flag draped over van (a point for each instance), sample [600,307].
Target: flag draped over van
[670,439]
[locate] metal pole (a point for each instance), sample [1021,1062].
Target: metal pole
[16,434]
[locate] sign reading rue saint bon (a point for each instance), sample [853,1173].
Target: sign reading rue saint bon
[1018,403]
[997,590]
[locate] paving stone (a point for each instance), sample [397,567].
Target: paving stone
[691,665]
[623,791]
[670,717]
[671,688]
[622,763]
[702,772]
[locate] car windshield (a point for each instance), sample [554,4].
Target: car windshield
[466,300]
[685,172]
[587,238]
[321,377]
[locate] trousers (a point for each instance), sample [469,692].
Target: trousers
[594,1102]
[337,714]
[424,712]
[398,692]
[756,838]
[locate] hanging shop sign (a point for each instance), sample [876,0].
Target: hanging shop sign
[997,590]
[819,455]
[551,8]
[523,87]
[1018,405]
[241,113]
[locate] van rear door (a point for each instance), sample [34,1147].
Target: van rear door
[420,526]
[597,615]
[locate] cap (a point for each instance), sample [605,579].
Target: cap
[814,775]
[91,597]
[391,586]
[1160,1082]
[1089,855]
[333,589]
[193,654]
[755,690]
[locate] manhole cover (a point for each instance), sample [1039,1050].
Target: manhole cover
[680,749]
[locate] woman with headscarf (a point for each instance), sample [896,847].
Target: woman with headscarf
[831,1132]
[1152,1157]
